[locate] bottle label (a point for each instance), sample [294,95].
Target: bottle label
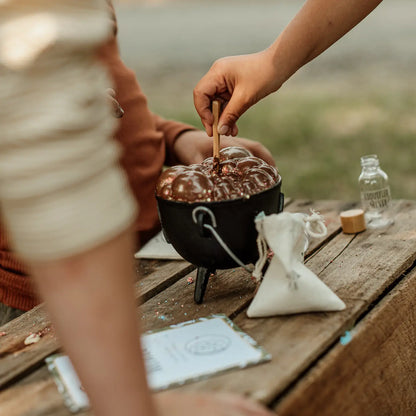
[379,199]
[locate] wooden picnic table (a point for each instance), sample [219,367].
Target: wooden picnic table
[372,372]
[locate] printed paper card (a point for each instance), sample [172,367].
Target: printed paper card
[174,356]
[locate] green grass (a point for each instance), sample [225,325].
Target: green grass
[317,136]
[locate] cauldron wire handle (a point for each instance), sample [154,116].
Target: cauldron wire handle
[199,209]
[220,241]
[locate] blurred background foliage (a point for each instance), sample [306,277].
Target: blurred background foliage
[358,98]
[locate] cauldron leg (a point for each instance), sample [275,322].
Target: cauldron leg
[201,284]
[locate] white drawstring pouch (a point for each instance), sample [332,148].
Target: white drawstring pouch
[288,286]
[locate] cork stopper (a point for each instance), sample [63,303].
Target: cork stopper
[352,221]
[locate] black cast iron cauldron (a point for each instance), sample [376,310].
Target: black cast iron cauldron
[199,230]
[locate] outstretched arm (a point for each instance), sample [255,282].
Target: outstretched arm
[241,81]
[90,299]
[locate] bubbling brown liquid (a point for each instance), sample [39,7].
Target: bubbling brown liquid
[241,175]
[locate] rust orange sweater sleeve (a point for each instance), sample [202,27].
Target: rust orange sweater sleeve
[146,139]
[171,131]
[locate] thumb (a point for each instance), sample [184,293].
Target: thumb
[237,105]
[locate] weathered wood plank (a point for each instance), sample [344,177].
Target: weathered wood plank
[161,277]
[157,312]
[152,277]
[16,358]
[297,341]
[374,374]
[175,304]
[375,259]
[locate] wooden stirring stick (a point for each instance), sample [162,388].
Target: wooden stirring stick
[216,142]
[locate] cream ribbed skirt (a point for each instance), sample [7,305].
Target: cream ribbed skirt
[61,188]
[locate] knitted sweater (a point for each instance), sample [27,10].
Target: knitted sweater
[147,141]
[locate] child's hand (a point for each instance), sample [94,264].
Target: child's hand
[118,112]
[238,82]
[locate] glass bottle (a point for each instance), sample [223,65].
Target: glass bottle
[375,193]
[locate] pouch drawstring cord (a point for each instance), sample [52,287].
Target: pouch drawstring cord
[315,225]
[262,248]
